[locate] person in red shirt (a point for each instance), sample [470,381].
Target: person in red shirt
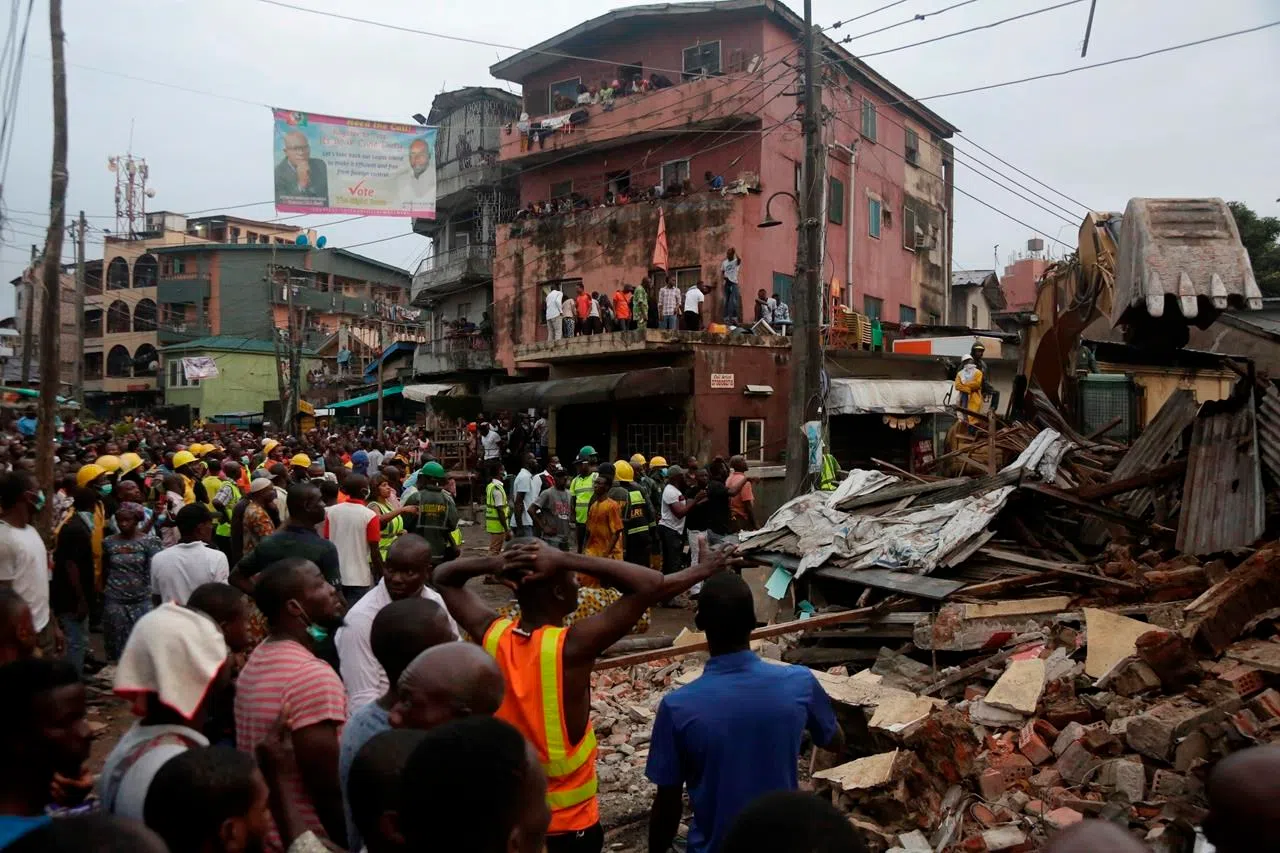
[622,309]
[582,302]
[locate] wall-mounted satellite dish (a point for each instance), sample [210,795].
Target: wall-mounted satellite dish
[321,241]
[302,240]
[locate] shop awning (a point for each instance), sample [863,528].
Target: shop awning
[853,396]
[390,391]
[420,393]
[631,385]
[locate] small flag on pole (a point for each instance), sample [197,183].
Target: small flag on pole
[660,246]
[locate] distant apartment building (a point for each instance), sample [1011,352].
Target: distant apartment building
[719,86]
[1019,281]
[474,193]
[29,309]
[975,296]
[221,277]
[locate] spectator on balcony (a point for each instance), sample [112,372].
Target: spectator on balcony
[582,304]
[594,321]
[607,93]
[764,307]
[555,317]
[622,308]
[781,314]
[568,316]
[714,181]
[584,95]
[729,269]
[669,305]
[639,304]
[659,81]
[693,299]
[486,326]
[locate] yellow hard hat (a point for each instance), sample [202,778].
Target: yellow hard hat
[129,461]
[622,470]
[658,462]
[182,457]
[196,449]
[204,450]
[269,444]
[110,464]
[637,459]
[88,473]
[301,460]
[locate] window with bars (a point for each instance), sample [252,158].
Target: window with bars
[655,440]
[675,172]
[906,314]
[702,60]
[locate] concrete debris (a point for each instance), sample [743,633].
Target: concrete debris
[1019,688]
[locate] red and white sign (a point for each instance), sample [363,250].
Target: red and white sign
[722,380]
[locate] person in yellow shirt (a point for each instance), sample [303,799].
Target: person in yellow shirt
[968,385]
[604,518]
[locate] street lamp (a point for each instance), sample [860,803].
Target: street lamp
[769,221]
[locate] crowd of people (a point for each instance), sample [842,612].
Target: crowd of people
[312,669]
[658,302]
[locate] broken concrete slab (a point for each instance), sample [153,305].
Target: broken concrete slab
[1112,638]
[997,718]
[1155,732]
[865,773]
[1003,837]
[1259,654]
[898,713]
[1019,688]
[1225,611]
[1018,607]
[952,630]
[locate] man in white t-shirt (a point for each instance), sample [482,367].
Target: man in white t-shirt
[671,519]
[555,323]
[354,530]
[24,561]
[490,443]
[729,270]
[179,569]
[525,491]
[693,299]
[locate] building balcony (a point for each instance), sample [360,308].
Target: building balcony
[453,270]
[183,287]
[454,354]
[123,384]
[638,342]
[324,302]
[703,104]
[180,333]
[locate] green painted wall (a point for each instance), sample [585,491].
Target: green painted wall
[244,381]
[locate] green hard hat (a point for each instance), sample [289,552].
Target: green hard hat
[587,451]
[434,469]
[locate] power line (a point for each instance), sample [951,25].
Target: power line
[989,26]
[1024,174]
[13,85]
[838,24]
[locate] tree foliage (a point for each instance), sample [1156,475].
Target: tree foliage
[1261,238]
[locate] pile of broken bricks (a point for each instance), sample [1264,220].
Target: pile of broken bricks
[1057,715]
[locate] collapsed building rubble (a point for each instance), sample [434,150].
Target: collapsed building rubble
[1065,628]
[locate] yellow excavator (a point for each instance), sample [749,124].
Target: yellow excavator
[1163,265]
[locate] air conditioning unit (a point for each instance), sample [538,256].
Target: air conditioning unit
[923,241]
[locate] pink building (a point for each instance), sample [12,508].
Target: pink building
[729,107]
[1019,281]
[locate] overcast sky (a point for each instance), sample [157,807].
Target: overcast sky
[1197,122]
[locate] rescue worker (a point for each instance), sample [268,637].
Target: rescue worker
[646,486]
[968,386]
[581,488]
[184,463]
[496,521]
[224,505]
[829,478]
[537,656]
[300,468]
[978,351]
[437,514]
[213,479]
[658,476]
[637,517]
[110,464]
[131,469]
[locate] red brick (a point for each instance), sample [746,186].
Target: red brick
[984,815]
[1013,766]
[992,784]
[1035,807]
[1266,706]
[1032,745]
[974,692]
[1244,680]
[1063,817]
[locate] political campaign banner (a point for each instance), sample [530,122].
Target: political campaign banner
[199,367]
[327,164]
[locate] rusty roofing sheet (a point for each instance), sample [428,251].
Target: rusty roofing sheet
[1269,431]
[1222,497]
[1161,440]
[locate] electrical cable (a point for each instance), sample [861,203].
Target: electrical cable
[989,26]
[912,20]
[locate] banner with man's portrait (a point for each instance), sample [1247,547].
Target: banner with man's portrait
[327,164]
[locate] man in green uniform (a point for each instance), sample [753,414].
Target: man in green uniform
[437,513]
[581,488]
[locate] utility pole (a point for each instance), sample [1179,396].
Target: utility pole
[382,349]
[28,328]
[295,374]
[78,380]
[806,345]
[49,321]
[292,404]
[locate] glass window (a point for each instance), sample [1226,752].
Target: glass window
[675,172]
[869,119]
[687,277]
[752,439]
[912,152]
[873,307]
[782,284]
[564,94]
[906,314]
[561,189]
[702,60]
[835,202]
[873,217]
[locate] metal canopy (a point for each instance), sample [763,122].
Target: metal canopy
[631,385]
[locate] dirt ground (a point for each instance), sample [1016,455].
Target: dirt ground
[624,820]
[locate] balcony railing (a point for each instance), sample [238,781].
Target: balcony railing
[464,264]
[454,353]
[176,333]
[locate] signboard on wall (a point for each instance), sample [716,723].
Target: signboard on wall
[722,380]
[328,164]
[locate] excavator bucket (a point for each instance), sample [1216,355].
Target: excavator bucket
[1180,263]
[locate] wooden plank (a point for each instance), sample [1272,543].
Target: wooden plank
[921,586]
[1147,478]
[1075,570]
[1087,506]
[973,669]
[793,627]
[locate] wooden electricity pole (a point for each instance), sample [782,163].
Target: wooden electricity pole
[806,346]
[382,350]
[50,327]
[78,381]
[29,326]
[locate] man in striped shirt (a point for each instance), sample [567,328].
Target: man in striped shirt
[669,299]
[302,609]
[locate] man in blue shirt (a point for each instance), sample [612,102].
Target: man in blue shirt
[27,423]
[734,734]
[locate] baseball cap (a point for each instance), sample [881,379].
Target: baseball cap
[606,470]
[674,470]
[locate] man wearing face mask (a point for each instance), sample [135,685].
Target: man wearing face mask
[303,610]
[23,558]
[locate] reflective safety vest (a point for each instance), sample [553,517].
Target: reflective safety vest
[533,668]
[492,520]
[224,526]
[636,518]
[211,486]
[830,473]
[392,531]
[580,489]
[432,522]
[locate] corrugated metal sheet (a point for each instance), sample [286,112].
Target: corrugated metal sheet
[1222,497]
[1269,431]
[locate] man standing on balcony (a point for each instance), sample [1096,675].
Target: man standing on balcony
[693,300]
[555,322]
[729,269]
[640,304]
[669,305]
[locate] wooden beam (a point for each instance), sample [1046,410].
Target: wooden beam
[1074,570]
[1172,471]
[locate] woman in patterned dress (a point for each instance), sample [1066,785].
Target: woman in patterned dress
[126,594]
